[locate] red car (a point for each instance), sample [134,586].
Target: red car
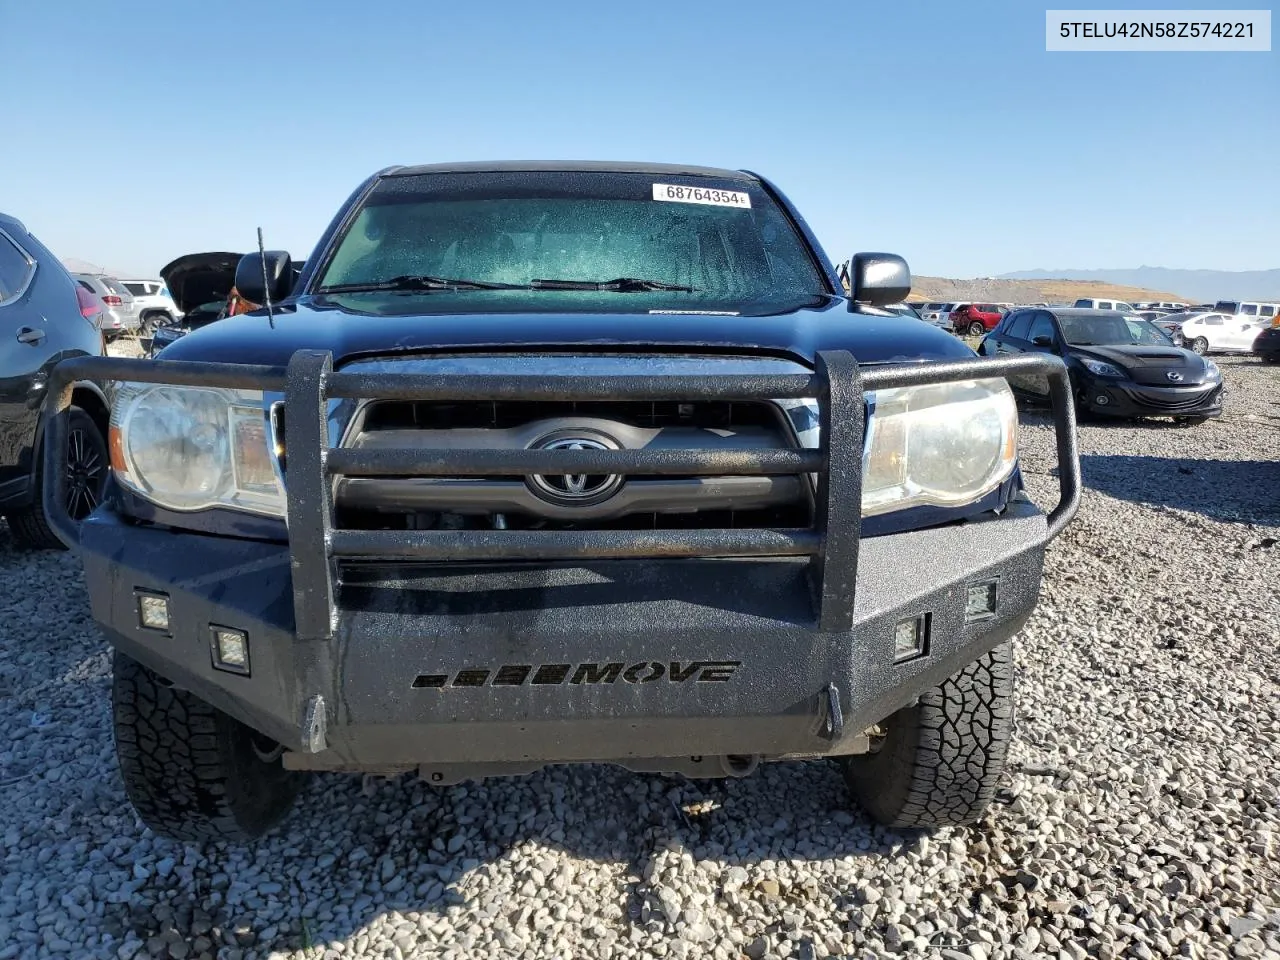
[975,319]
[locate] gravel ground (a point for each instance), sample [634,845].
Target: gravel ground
[1141,816]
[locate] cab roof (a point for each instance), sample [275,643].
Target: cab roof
[570,166]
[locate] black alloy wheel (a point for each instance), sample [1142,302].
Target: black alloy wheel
[86,468]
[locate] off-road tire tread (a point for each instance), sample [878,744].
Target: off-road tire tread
[942,758]
[29,526]
[188,768]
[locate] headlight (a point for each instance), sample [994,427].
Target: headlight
[941,445]
[945,445]
[188,448]
[1211,370]
[1101,369]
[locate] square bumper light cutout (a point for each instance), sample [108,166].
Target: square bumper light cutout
[911,638]
[230,649]
[980,601]
[153,611]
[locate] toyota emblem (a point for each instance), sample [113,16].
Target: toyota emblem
[1174,376]
[575,489]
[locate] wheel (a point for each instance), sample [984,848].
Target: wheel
[976,329]
[191,772]
[938,762]
[87,462]
[1084,414]
[1200,345]
[1271,358]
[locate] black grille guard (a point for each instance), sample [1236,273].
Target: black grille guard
[315,544]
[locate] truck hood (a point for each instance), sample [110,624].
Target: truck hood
[365,325]
[199,278]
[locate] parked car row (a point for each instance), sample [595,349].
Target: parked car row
[129,306]
[964,318]
[1228,326]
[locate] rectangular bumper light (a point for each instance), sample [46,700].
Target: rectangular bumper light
[911,639]
[230,649]
[980,601]
[153,611]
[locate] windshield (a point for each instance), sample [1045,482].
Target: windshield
[682,242]
[1111,331]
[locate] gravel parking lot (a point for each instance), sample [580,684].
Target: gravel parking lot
[1141,816]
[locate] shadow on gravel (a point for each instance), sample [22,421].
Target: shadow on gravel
[414,849]
[1231,490]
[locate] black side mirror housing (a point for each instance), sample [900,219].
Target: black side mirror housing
[876,279]
[265,276]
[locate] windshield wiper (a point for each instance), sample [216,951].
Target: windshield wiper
[420,283]
[617,285]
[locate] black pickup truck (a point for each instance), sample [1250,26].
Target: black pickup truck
[548,463]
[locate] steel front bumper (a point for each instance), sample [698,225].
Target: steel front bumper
[383,650]
[601,661]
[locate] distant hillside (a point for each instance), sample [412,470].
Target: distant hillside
[1031,291]
[1203,286]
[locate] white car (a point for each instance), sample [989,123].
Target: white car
[1221,332]
[939,312]
[155,305]
[1090,303]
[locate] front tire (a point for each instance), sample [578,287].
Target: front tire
[191,772]
[976,329]
[939,761]
[1199,345]
[87,464]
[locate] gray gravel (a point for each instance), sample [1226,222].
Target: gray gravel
[1141,817]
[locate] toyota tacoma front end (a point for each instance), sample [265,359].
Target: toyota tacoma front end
[540,464]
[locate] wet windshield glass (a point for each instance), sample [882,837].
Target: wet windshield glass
[1111,331]
[678,242]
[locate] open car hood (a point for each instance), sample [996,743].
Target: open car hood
[199,278]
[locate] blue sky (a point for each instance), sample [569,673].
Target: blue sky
[939,130]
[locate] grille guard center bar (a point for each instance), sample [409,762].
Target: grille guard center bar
[315,544]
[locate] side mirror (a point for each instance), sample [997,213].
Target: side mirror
[878,279]
[260,274]
[1043,341]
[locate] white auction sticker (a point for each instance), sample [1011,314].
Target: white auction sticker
[709,195]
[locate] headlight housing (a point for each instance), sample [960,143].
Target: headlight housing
[1102,369]
[1211,370]
[193,448]
[943,445]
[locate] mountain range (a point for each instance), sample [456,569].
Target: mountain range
[1203,286]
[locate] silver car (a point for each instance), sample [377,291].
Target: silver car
[121,314]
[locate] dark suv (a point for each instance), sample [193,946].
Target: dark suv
[548,463]
[45,316]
